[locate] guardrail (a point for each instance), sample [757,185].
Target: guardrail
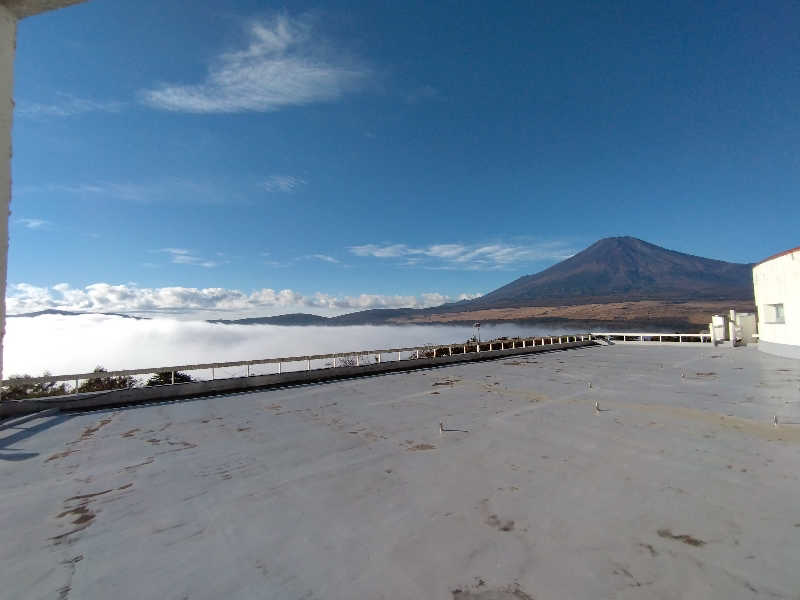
[345,359]
[666,338]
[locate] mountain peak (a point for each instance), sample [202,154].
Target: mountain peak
[625,268]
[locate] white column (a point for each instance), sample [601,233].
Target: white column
[8,44]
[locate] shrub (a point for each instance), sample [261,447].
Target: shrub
[99,384]
[165,378]
[19,387]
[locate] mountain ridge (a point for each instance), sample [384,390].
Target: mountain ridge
[611,271]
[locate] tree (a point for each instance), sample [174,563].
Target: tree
[99,384]
[165,378]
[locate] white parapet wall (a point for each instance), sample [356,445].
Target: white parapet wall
[484,351]
[776,283]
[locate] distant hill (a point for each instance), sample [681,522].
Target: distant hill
[72,313]
[376,316]
[290,319]
[623,269]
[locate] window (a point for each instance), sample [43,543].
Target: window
[773,313]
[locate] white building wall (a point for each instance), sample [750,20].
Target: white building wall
[8,42]
[776,282]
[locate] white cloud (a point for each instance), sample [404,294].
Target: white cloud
[66,105]
[466,257]
[283,183]
[285,63]
[34,223]
[129,298]
[182,256]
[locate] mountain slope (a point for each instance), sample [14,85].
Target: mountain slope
[624,269]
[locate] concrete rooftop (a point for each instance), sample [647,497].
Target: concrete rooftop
[680,487]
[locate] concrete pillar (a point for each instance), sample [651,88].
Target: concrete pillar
[8,44]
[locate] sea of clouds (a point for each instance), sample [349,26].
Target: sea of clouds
[76,344]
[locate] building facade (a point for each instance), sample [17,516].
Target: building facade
[776,283]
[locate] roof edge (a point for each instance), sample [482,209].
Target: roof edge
[778,255]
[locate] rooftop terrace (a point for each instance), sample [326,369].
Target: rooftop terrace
[679,486]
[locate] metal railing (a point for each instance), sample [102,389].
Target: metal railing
[344,358]
[679,338]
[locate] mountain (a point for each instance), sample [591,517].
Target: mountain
[623,269]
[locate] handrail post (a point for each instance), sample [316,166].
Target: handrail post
[358,360]
[308,363]
[280,367]
[379,359]
[417,354]
[173,378]
[398,357]
[212,373]
[451,351]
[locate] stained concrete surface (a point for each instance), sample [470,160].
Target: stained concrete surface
[679,486]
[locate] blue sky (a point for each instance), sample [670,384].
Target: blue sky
[257,159]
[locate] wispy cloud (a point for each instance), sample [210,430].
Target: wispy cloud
[286,184]
[464,256]
[66,105]
[172,189]
[391,251]
[129,298]
[285,63]
[325,258]
[34,223]
[182,256]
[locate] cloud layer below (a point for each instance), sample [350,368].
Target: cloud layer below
[66,345]
[285,63]
[128,298]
